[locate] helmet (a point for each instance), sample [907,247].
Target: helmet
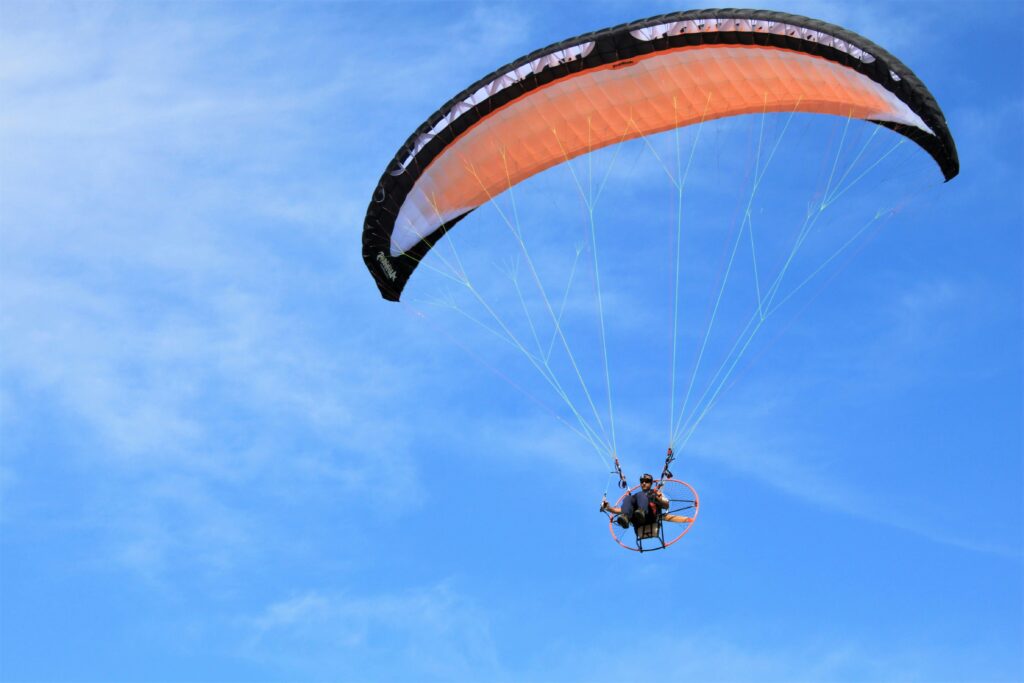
[646,477]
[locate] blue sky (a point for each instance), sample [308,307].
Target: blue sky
[225,458]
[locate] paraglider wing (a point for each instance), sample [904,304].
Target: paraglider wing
[633,80]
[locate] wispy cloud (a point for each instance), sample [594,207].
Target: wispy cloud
[744,439]
[169,283]
[430,633]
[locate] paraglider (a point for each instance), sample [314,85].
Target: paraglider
[622,83]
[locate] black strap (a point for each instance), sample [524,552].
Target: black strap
[622,478]
[666,473]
